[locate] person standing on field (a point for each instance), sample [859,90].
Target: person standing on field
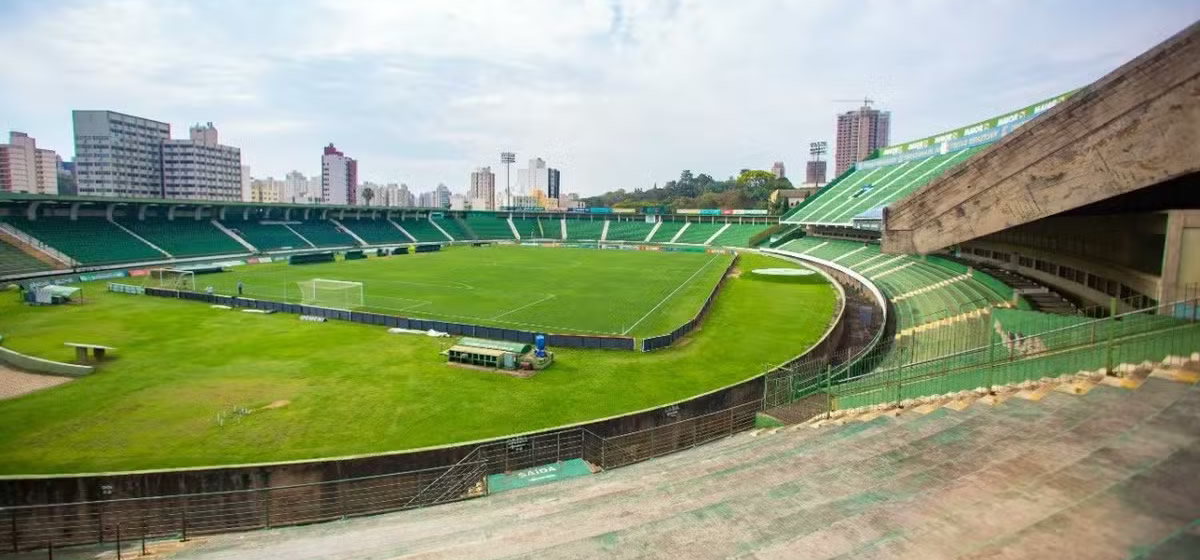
[240,287]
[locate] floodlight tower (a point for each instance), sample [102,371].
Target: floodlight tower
[816,150]
[508,158]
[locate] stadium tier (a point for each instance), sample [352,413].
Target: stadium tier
[184,237]
[266,237]
[866,189]
[491,226]
[738,235]
[88,240]
[455,228]
[16,261]
[699,233]
[666,231]
[921,291]
[628,230]
[586,230]
[422,230]
[532,228]
[378,230]
[323,233]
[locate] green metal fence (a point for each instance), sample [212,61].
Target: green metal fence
[1003,346]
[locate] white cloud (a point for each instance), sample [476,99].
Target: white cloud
[617,93]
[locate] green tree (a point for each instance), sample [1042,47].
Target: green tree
[368,194]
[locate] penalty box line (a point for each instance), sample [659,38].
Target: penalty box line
[530,304]
[668,296]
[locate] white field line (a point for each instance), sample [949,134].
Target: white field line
[664,300]
[530,304]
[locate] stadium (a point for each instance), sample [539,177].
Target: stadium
[936,341]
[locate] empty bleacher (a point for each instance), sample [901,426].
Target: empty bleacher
[15,261]
[377,230]
[323,233]
[88,240]
[422,230]
[265,237]
[454,227]
[532,228]
[866,189]
[628,230]
[738,235]
[699,233]
[490,226]
[583,229]
[665,231]
[183,236]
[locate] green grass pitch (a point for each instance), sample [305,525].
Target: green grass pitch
[337,388]
[561,290]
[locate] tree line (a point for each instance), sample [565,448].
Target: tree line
[750,189]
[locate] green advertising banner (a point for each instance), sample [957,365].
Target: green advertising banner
[1019,115]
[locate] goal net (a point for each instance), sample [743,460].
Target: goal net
[171,278]
[336,294]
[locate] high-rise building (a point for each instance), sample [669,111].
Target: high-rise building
[405,198]
[443,196]
[118,154]
[778,170]
[267,190]
[815,172]
[66,178]
[339,177]
[483,188]
[552,184]
[859,133]
[25,168]
[246,181]
[201,168]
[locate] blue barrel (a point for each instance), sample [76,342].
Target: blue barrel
[539,341]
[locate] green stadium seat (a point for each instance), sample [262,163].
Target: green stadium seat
[455,228]
[323,233]
[88,240]
[265,237]
[535,228]
[422,230]
[376,231]
[738,235]
[490,226]
[184,236]
[665,231]
[698,233]
[580,229]
[866,189]
[628,230]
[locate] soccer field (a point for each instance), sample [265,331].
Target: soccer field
[561,290]
[340,388]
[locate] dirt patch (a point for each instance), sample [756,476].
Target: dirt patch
[735,272]
[276,404]
[15,383]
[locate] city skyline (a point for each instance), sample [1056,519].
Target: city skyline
[599,86]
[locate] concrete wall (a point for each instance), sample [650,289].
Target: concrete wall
[1136,127]
[1181,262]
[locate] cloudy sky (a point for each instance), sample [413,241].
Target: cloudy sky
[615,93]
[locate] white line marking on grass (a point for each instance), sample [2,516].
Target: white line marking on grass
[530,304]
[677,288]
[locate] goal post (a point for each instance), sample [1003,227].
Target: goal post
[171,278]
[335,294]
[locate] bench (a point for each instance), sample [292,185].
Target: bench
[81,351]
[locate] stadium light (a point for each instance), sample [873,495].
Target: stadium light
[507,158]
[818,149]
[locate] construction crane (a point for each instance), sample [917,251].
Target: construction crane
[866,101]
